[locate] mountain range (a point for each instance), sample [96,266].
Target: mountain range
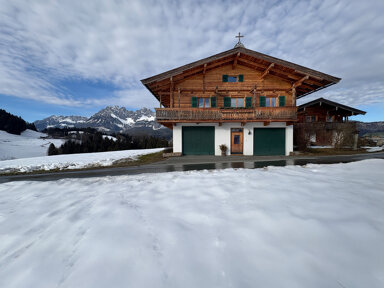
[370,127]
[112,119]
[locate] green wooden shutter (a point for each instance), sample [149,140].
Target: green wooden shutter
[194,102]
[281,101]
[241,78]
[248,102]
[225,78]
[227,101]
[213,102]
[262,100]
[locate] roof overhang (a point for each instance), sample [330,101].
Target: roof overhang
[303,79]
[329,103]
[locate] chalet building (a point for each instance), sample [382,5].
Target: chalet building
[323,110]
[241,98]
[321,120]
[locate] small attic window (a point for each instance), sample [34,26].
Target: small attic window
[232,78]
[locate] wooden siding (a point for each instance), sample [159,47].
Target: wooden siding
[211,85]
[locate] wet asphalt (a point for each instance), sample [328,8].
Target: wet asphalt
[189,163]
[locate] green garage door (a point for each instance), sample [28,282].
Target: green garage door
[269,141]
[198,140]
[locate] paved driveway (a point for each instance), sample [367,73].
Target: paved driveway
[188,163]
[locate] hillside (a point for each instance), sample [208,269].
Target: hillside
[370,127]
[28,144]
[112,119]
[13,124]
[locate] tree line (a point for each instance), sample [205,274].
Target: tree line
[95,142]
[14,124]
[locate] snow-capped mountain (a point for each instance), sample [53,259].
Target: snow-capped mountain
[59,121]
[110,119]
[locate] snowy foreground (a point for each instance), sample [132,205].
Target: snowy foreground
[28,144]
[313,226]
[71,161]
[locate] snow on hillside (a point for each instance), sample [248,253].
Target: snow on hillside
[28,144]
[223,228]
[71,161]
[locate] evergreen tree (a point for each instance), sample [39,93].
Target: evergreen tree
[52,150]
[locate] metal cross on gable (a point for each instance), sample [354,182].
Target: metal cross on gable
[239,36]
[239,44]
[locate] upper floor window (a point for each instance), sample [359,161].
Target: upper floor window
[203,102]
[237,102]
[233,78]
[272,101]
[310,118]
[329,118]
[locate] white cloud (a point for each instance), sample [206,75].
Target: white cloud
[46,42]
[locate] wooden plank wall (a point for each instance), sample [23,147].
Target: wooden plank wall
[194,86]
[321,114]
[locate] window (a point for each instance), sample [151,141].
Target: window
[233,78]
[237,102]
[203,102]
[329,118]
[310,118]
[270,102]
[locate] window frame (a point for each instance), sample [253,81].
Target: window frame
[206,102]
[236,99]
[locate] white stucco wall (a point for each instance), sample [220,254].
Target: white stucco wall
[223,135]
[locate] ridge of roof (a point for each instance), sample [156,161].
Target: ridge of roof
[331,103]
[246,51]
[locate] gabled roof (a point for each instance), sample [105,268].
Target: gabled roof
[323,101]
[310,80]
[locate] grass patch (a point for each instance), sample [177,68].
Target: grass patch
[127,162]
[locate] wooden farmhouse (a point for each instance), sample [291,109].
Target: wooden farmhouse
[241,98]
[324,110]
[321,120]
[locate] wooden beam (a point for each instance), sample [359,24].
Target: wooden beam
[179,92]
[204,70]
[254,96]
[235,61]
[294,96]
[188,73]
[267,70]
[171,91]
[299,82]
[253,64]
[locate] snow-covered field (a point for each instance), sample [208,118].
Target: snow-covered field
[374,149]
[71,161]
[313,226]
[28,144]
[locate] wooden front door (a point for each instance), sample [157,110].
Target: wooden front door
[237,141]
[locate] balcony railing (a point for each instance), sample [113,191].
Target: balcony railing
[227,114]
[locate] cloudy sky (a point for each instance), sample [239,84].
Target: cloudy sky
[76,57]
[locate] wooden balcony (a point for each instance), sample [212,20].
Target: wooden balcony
[279,114]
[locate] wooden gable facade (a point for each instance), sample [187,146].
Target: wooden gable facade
[236,85]
[324,110]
